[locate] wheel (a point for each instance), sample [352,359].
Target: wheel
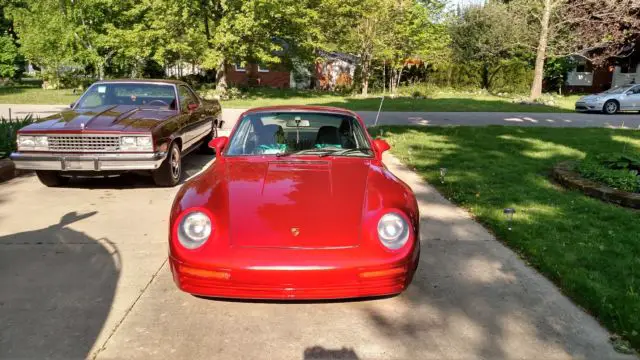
[204,147]
[170,172]
[51,178]
[610,107]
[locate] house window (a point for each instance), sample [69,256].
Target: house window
[262,68]
[239,68]
[628,67]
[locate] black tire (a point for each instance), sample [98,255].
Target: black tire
[610,107]
[169,173]
[51,178]
[204,147]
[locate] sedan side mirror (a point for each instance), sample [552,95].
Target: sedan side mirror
[72,105]
[218,144]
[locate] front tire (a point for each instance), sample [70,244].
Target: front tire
[51,178]
[170,172]
[610,107]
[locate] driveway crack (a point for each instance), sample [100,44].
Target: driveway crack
[115,328]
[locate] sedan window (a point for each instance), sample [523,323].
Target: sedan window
[135,94]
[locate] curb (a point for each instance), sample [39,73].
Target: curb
[564,174]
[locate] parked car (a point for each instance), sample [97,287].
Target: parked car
[297,205]
[120,126]
[621,98]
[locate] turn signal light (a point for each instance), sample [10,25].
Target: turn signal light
[209,274]
[380,273]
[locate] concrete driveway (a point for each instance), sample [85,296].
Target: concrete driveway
[627,120]
[83,273]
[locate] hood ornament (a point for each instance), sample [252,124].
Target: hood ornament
[295,231]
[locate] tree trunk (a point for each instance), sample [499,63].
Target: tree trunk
[384,77]
[221,76]
[536,87]
[366,64]
[101,71]
[398,79]
[485,76]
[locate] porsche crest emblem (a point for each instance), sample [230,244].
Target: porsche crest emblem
[295,231]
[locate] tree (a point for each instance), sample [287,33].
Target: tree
[488,35]
[8,57]
[596,29]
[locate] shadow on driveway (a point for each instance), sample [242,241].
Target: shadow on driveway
[56,290]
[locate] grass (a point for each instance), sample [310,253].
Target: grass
[31,95]
[454,101]
[441,101]
[589,248]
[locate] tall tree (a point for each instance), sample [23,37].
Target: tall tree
[566,27]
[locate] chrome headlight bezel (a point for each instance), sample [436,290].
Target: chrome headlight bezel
[136,143]
[32,142]
[393,230]
[194,229]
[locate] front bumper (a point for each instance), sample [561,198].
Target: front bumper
[589,106]
[295,282]
[87,162]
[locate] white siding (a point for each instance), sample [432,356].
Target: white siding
[625,78]
[575,78]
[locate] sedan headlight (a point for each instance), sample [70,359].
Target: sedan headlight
[393,231]
[33,143]
[194,230]
[136,143]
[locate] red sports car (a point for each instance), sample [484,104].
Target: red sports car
[297,205]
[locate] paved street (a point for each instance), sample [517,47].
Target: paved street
[83,273]
[628,120]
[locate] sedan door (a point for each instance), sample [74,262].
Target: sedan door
[631,100]
[196,125]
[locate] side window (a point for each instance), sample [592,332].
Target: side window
[636,90]
[186,98]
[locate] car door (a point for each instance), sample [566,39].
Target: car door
[633,98]
[196,124]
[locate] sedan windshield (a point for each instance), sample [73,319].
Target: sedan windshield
[299,133]
[617,90]
[136,94]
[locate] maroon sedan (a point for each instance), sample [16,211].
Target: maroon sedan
[120,126]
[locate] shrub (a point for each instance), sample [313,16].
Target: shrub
[8,130]
[618,171]
[230,94]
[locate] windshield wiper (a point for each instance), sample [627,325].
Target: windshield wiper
[347,151]
[322,151]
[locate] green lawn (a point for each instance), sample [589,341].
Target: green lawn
[439,102]
[442,101]
[590,249]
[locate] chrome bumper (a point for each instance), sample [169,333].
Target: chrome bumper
[87,162]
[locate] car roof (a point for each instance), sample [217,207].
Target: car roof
[143,81]
[302,108]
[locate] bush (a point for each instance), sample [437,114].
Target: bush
[618,171]
[230,94]
[8,130]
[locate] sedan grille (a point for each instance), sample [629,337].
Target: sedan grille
[84,143]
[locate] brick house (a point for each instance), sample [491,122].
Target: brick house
[277,76]
[586,78]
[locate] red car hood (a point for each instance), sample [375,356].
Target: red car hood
[103,118]
[296,203]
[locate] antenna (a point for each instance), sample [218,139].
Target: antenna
[379,109]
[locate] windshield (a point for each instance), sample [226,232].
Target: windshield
[617,90]
[290,133]
[147,95]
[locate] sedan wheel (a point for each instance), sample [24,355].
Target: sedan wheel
[610,107]
[170,172]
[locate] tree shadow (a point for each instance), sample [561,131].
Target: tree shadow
[320,353]
[56,290]
[474,290]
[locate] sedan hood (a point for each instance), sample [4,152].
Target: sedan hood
[103,118]
[296,204]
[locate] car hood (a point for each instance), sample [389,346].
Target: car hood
[103,118]
[295,203]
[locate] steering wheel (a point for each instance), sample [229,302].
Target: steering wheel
[162,103]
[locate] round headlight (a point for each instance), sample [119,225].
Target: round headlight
[393,231]
[194,230]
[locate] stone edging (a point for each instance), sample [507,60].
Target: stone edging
[564,174]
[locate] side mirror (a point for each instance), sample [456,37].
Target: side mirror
[218,144]
[381,145]
[193,106]
[72,105]
[629,93]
